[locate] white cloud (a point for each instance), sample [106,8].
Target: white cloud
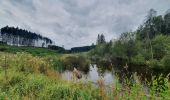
[77,22]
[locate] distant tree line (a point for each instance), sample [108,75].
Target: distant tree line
[20,37]
[57,48]
[81,49]
[72,50]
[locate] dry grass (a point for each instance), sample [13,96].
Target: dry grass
[102,89]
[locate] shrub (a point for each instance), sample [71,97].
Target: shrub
[156,64]
[166,61]
[139,59]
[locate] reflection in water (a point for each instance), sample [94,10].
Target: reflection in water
[93,75]
[112,74]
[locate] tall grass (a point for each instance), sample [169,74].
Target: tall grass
[34,78]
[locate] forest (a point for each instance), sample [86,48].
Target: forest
[20,37]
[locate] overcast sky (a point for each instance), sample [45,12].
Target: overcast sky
[77,22]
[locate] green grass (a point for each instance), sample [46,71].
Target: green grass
[37,86]
[31,50]
[30,77]
[27,77]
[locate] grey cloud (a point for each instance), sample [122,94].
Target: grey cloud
[26,6]
[77,22]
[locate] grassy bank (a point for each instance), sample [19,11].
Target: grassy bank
[35,51]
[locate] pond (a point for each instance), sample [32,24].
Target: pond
[92,75]
[111,74]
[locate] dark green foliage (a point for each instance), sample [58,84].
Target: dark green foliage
[166,62]
[167,22]
[100,39]
[159,46]
[81,49]
[139,59]
[58,48]
[148,45]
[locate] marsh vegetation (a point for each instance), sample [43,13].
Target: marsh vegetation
[23,76]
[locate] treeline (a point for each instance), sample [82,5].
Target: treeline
[149,45]
[81,49]
[72,50]
[20,37]
[57,48]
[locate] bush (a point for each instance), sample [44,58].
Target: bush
[156,64]
[139,59]
[159,46]
[166,61]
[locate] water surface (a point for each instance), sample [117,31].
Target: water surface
[93,75]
